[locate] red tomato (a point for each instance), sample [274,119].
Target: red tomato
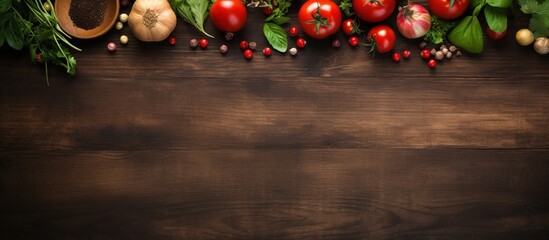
[384,38]
[228,15]
[293,31]
[350,27]
[425,54]
[432,63]
[267,10]
[353,41]
[495,35]
[406,54]
[442,8]
[396,57]
[373,10]
[319,18]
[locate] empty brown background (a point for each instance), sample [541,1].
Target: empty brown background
[167,142]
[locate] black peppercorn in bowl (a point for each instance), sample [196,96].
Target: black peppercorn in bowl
[86,19]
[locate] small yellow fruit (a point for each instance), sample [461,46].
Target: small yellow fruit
[124,39]
[524,37]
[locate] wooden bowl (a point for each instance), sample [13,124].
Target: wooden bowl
[62,12]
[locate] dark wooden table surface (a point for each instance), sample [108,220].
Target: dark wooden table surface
[166,142]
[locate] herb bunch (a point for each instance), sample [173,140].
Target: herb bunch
[275,34]
[194,12]
[539,22]
[27,24]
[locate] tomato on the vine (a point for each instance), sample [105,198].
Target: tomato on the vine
[373,11]
[495,35]
[442,9]
[228,15]
[319,18]
[350,27]
[382,38]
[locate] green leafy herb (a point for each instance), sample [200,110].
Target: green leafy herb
[346,7]
[27,24]
[496,18]
[539,22]
[276,36]
[468,35]
[272,29]
[194,12]
[439,30]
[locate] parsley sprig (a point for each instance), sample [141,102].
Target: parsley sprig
[539,22]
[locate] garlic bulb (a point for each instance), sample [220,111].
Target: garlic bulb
[152,20]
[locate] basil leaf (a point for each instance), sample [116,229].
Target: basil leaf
[276,36]
[468,35]
[14,35]
[496,18]
[280,20]
[499,3]
[5,5]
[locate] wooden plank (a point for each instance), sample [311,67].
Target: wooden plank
[305,112]
[275,194]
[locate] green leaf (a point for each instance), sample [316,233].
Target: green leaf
[276,36]
[5,5]
[280,20]
[533,6]
[468,35]
[499,3]
[14,35]
[193,12]
[539,24]
[496,18]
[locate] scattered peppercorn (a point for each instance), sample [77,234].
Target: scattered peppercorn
[458,53]
[123,17]
[452,49]
[293,51]
[119,26]
[111,47]
[267,51]
[124,39]
[223,49]
[252,46]
[172,40]
[439,55]
[193,43]
[87,14]
[422,45]
[229,36]
[449,55]
[336,43]
[203,43]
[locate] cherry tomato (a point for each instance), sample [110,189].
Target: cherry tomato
[350,27]
[384,38]
[39,58]
[425,54]
[300,43]
[243,45]
[268,10]
[442,8]
[406,54]
[396,57]
[494,35]
[228,15]
[353,41]
[248,54]
[267,51]
[373,11]
[432,63]
[203,43]
[319,18]
[293,31]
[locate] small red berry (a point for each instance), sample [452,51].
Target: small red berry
[300,43]
[267,10]
[293,31]
[396,57]
[203,43]
[172,40]
[432,63]
[353,41]
[39,58]
[244,45]
[406,54]
[267,51]
[248,54]
[425,54]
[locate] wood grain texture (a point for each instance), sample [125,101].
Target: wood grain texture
[277,194]
[168,142]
